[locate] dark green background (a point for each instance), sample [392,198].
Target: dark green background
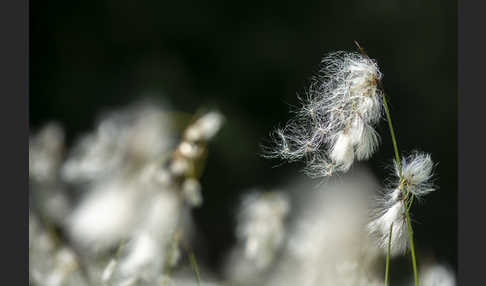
[249,59]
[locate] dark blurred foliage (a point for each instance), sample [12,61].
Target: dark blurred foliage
[249,58]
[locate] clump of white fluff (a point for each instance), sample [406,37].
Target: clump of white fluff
[417,172]
[51,262]
[205,127]
[132,193]
[106,215]
[124,139]
[437,275]
[335,124]
[326,237]
[261,226]
[45,153]
[380,227]
[415,180]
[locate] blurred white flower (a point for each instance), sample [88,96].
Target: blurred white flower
[144,258]
[106,215]
[45,153]
[437,275]
[205,127]
[261,225]
[327,242]
[191,189]
[122,140]
[108,271]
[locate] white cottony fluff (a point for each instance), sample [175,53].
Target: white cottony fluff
[335,124]
[437,275]
[415,180]
[261,226]
[368,144]
[356,130]
[45,153]
[191,190]
[326,237]
[417,172]
[342,153]
[205,127]
[124,139]
[105,216]
[381,228]
[131,192]
[108,271]
[144,258]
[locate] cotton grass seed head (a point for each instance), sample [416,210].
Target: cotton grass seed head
[414,180]
[335,123]
[417,173]
[381,225]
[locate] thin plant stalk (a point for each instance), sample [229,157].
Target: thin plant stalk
[407,216]
[388,255]
[192,259]
[392,133]
[412,248]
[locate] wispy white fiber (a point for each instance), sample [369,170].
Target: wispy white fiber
[342,152]
[380,227]
[334,126]
[417,172]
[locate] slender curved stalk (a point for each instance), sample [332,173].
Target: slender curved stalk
[407,216]
[410,203]
[192,259]
[388,255]
[392,133]
[412,248]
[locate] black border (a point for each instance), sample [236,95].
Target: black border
[471,143]
[14,27]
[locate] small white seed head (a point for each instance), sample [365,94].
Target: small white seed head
[417,172]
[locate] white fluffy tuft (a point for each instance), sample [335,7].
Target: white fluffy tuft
[343,100]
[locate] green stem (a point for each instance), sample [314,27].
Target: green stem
[392,133]
[412,248]
[407,216]
[192,259]
[388,255]
[410,203]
